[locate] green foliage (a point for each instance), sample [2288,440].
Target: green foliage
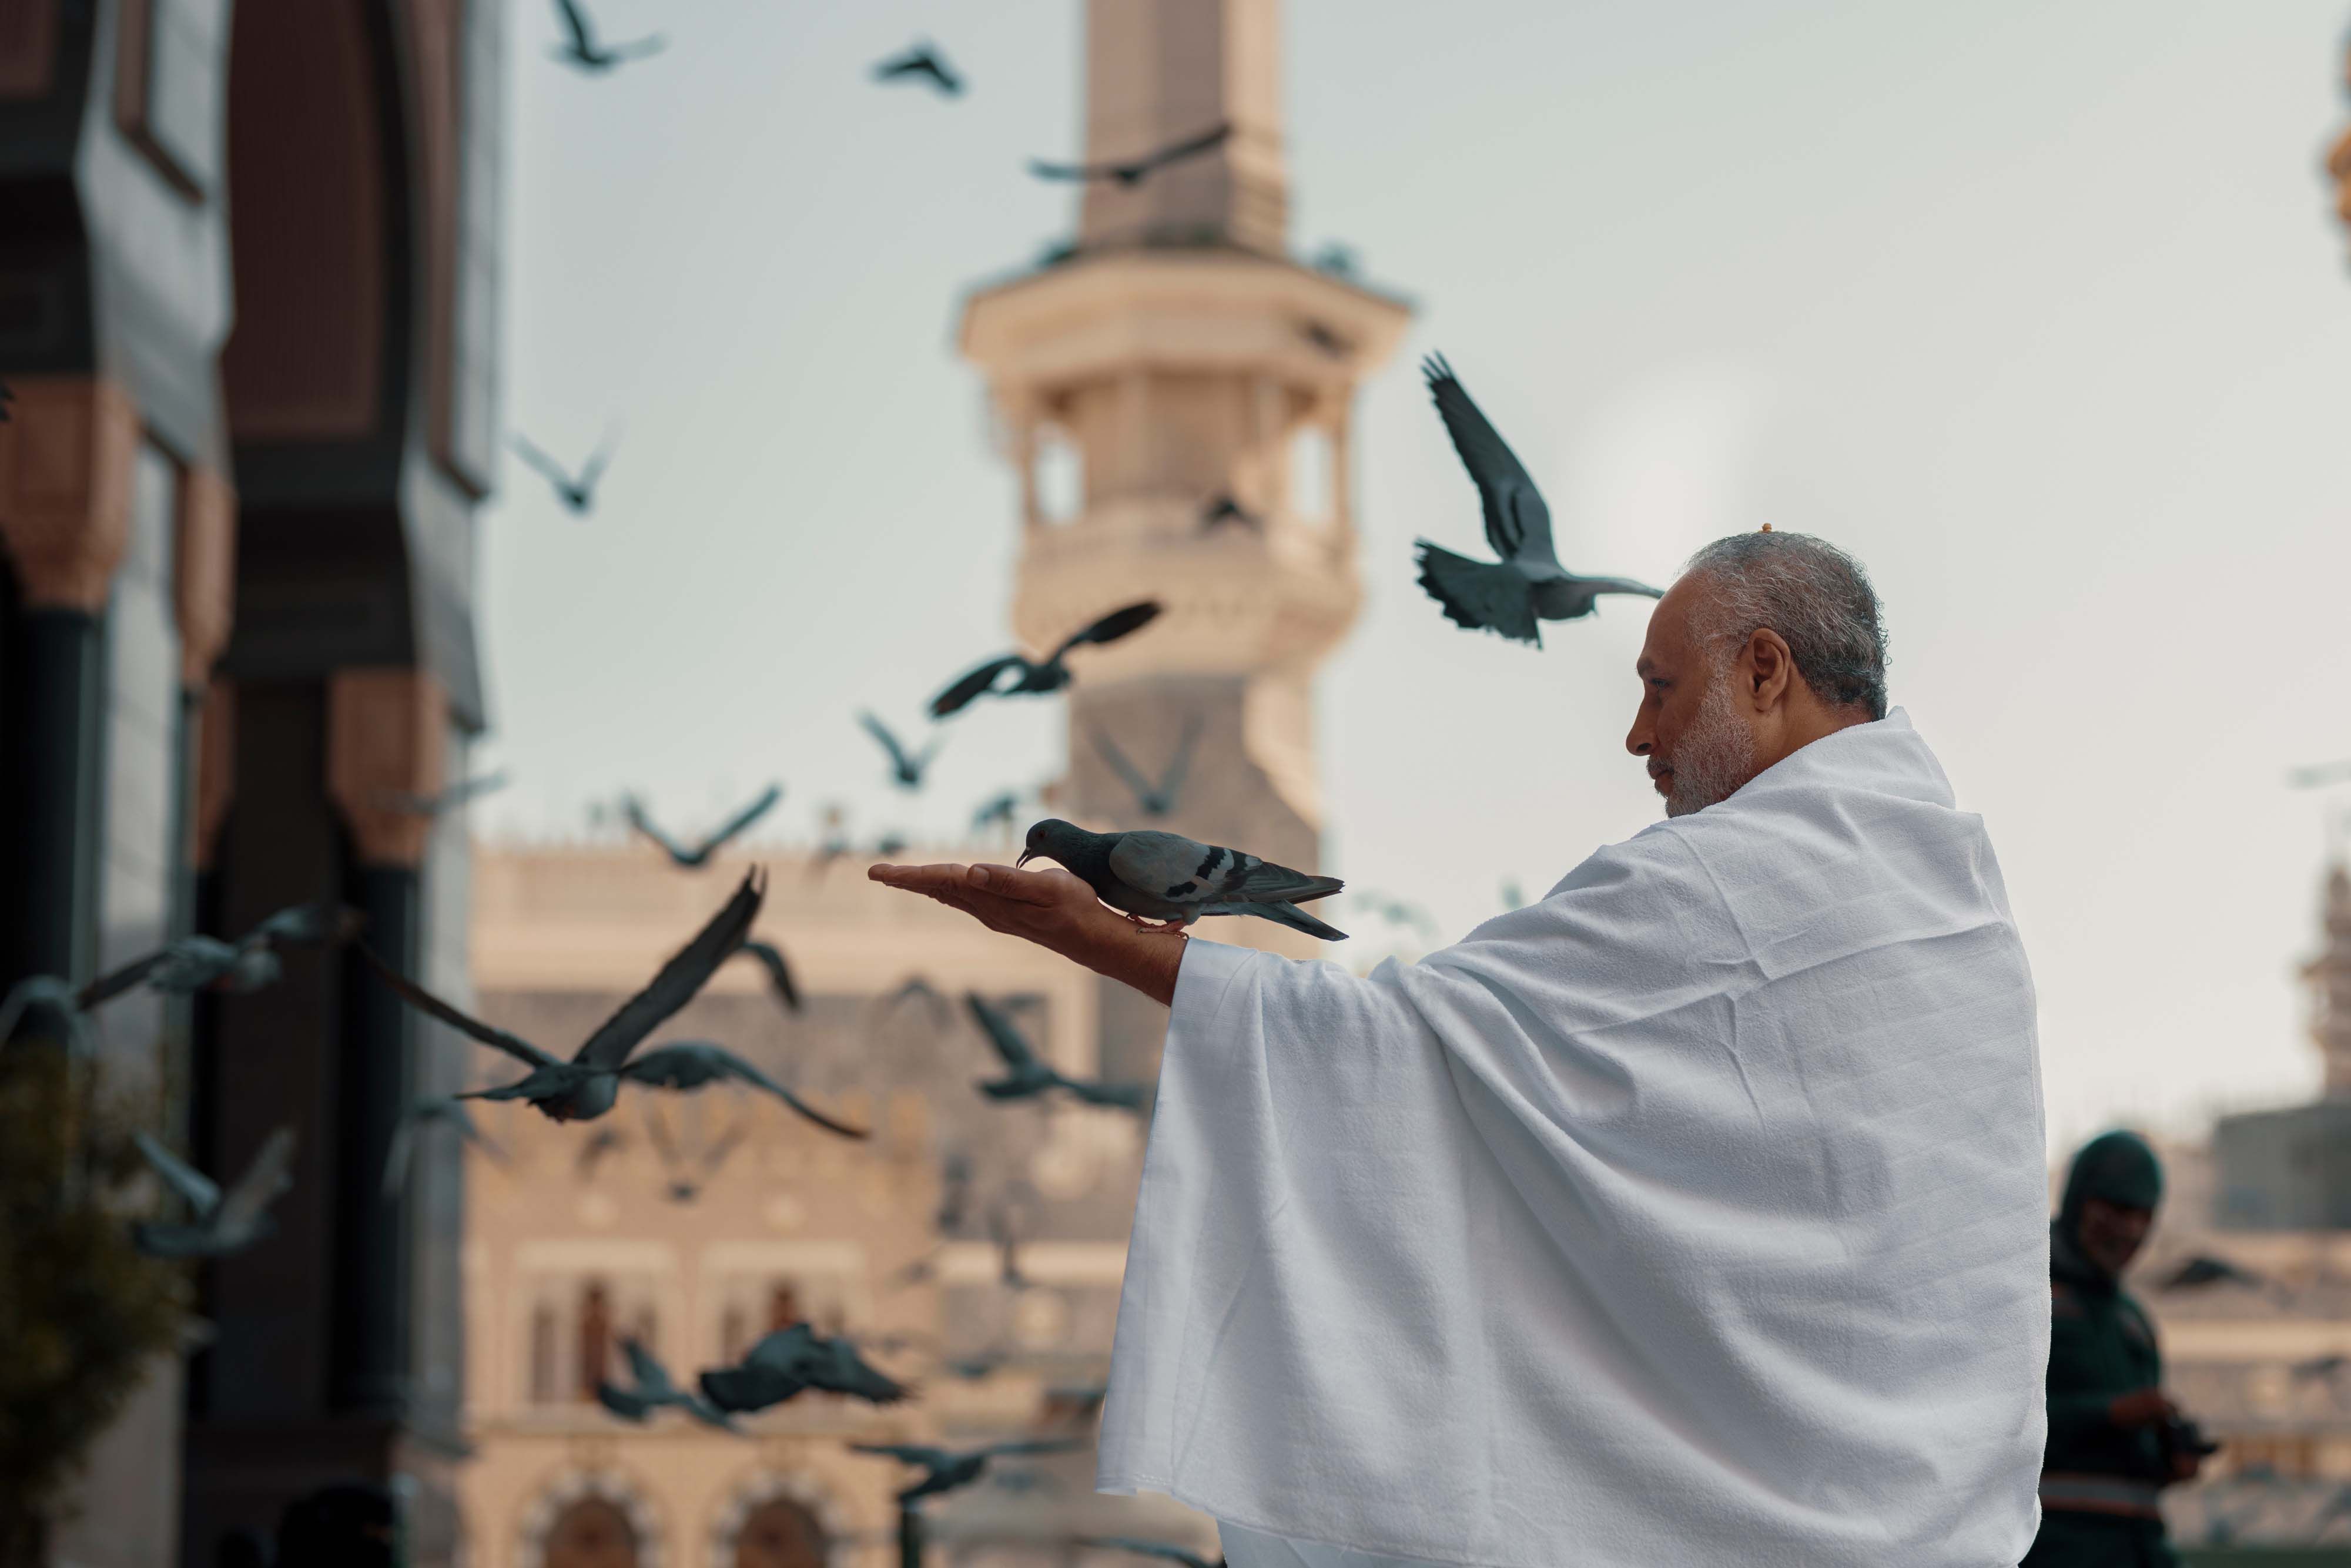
[81,1310]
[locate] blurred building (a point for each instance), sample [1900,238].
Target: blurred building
[1176,392]
[237,496]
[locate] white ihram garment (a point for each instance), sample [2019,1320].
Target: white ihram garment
[1693,1215]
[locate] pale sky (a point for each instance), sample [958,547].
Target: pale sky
[2038,308]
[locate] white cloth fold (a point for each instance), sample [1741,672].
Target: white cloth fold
[1694,1213]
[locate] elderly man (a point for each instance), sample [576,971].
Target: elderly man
[1693,1215]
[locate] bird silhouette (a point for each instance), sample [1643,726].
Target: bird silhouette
[1027,1075]
[651,1388]
[687,1176]
[790,1361]
[779,974]
[998,811]
[1133,172]
[946,1469]
[1173,1553]
[2201,1270]
[1221,509]
[586,1086]
[415,1121]
[1170,878]
[915,989]
[1527,584]
[190,964]
[907,768]
[1324,339]
[577,493]
[220,1223]
[1337,258]
[1050,675]
[1153,799]
[693,856]
[448,799]
[921,62]
[602,1144]
[582,53]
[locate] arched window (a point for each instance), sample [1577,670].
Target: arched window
[783,1305]
[595,1339]
[1058,476]
[591,1533]
[780,1533]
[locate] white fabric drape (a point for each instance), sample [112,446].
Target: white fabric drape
[1694,1213]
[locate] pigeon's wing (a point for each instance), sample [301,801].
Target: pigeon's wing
[200,1191]
[779,974]
[634,811]
[548,467]
[928,1459]
[698,1061]
[1117,1096]
[846,1372]
[1518,523]
[42,991]
[425,1002]
[625,1403]
[744,817]
[1032,1446]
[1147,1549]
[1177,151]
[1185,872]
[651,45]
[412,1124]
[715,1154]
[116,982]
[575,22]
[324,921]
[1002,1034]
[1129,775]
[652,1377]
[782,1350]
[959,695]
[1180,766]
[1044,171]
[899,761]
[269,1175]
[1111,627]
[680,978]
[602,459]
[1618,585]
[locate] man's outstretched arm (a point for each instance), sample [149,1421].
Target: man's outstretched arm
[1055,911]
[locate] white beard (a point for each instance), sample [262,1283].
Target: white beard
[1716,756]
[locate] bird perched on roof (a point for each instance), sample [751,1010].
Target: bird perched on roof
[577,493]
[1054,673]
[1130,171]
[1527,584]
[1185,1555]
[945,1470]
[189,964]
[698,854]
[1153,797]
[923,62]
[1170,878]
[906,768]
[651,1388]
[586,1087]
[791,1361]
[448,799]
[2205,1270]
[1027,1075]
[779,974]
[582,53]
[221,1223]
[425,1113]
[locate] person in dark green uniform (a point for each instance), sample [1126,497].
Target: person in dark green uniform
[2114,1441]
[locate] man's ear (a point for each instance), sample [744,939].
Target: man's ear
[1771,667]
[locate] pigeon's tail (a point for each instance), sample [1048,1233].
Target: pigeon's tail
[1288,914]
[1483,595]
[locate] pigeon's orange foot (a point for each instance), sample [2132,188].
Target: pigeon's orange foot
[1157,927]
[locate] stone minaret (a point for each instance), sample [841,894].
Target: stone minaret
[2329,978]
[1175,356]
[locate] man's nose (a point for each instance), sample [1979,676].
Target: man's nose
[1640,740]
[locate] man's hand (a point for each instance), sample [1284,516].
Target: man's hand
[1054,910]
[2141,1408]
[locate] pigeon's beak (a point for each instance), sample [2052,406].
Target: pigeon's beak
[1026,856]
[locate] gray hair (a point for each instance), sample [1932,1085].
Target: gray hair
[1814,595]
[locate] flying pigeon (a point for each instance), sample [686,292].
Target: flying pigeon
[945,1470]
[223,1223]
[779,974]
[1221,509]
[1527,584]
[996,812]
[2204,1271]
[1190,1559]
[1028,1076]
[188,964]
[651,1388]
[52,996]
[578,494]
[691,856]
[906,767]
[1133,170]
[1050,676]
[687,1187]
[602,1142]
[448,799]
[444,1112]
[918,989]
[923,60]
[1153,799]
[791,1361]
[582,53]
[1171,878]
[1336,258]
[585,1087]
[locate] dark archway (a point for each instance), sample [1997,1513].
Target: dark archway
[780,1533]
[591,1533]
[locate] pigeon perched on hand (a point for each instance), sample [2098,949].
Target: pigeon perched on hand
[189,964]
[448,799]
[1050,675]
[923,61]
[1185,1555]
[222,1223]
[1527,584]
[1028,1075]
[651,1388]
[582,53]
[945,1470]
[791,1361]
[1132,171]
[444,1112]
[1153,799]
[906,768]
[693,856]
[1169,877]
